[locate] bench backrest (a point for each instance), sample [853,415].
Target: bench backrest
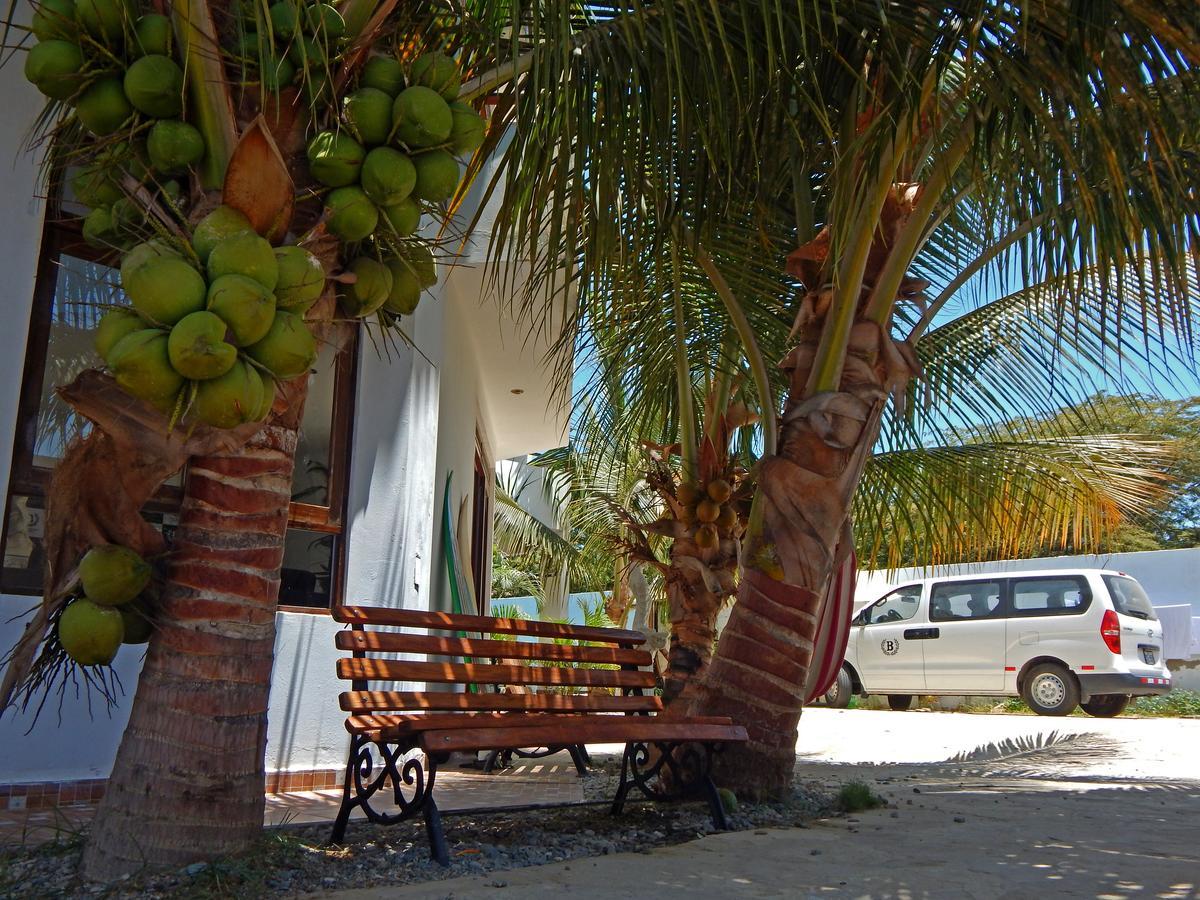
[605,658]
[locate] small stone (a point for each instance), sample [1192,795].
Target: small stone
[196,868]
[960,819]
[814,852]
[895,815]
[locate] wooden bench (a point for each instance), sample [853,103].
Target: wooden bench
[591,684]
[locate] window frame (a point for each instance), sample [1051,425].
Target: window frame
[1085,591]
[63,234]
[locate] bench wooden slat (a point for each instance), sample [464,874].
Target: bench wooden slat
[589,730]
[413,618]
[385,701]
[477,673]
[392,642]
[390,727]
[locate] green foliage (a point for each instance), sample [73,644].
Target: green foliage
[856,796]
[1174,704]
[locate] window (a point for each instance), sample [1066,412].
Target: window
[898,606]
[1065,596]
[75,284]
[965,600]
[1129,598]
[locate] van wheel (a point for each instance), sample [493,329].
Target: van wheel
[1050,690]
[839,694]
[899,702]
[1105,706]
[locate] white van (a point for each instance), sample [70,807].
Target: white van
[1057,639]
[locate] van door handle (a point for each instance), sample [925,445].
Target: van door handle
[921,634]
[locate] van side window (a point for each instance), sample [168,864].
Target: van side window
[897,606]
[952,601]
[1065,596]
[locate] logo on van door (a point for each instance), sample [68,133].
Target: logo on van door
[890,646]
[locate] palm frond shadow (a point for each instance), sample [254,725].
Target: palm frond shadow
[1021,745]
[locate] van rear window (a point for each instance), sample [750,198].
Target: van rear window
[1129,598]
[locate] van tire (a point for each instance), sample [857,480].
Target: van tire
[899,702]
[1106,706]
[1050,690]
[841,691]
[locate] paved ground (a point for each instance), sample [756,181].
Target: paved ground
[1031,808]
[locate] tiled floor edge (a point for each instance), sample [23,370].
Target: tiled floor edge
[49,794]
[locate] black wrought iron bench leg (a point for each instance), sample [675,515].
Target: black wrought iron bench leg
[434,831]
[715,806]
[580,758]
[343,816]
[687,775]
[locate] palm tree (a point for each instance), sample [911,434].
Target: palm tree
[875,151]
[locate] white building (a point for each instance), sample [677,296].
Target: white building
[367,508]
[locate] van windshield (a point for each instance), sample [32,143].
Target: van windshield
[1129,598]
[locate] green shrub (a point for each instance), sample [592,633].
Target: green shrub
[856,796]
[1176,703]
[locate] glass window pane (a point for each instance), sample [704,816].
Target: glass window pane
[898,606]
[969,600]
[310,481]
[309,560]
[82,291]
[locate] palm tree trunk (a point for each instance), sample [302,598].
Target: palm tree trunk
[188,782]
[759,671]
[698,584]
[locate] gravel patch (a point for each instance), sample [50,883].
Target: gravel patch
[295,860]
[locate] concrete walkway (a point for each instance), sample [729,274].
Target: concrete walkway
[1111,811]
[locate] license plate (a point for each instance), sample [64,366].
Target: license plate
[1148,655]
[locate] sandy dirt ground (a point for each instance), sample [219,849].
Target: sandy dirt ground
[978,807]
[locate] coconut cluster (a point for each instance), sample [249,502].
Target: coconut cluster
[213,324]
[710,509]
[393,153]
[117,72]
[110,607]
[291,43]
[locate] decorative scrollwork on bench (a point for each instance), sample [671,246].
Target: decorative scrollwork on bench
[675,771]
[370,768]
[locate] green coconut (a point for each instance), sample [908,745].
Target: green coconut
[154,35]
[421,117]
[247,46]
[54,19]
[437,175]
[144,253]
[325,20]
[154,85]
[289,348]
[372,284]
[141,365]
[268,397]
[53,67]
[301,278]
[138,624]
[114,325]
[103,19]
[197,346]
[96,184]
[438,72]
[174,146]
[103,107]
[306,53]
[277,73]
[285,19]
[352,215]
[388,176]
[245,253]
[128,216]
[244,305]
[98,228]
[112,574]
[368,115]
[215,227]
[383,74]
[419,258]
[165,289]
[405,294]
[467,129]
[335,158]
[403,217]
[230,400]
[90,634]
